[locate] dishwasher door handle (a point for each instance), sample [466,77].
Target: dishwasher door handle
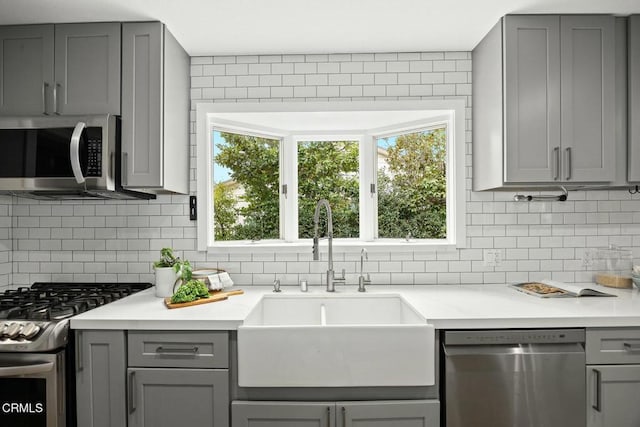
[512,349]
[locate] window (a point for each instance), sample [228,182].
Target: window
[412,185]
[392,175]
[245,187]
[329,170]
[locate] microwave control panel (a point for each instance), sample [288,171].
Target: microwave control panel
[94,152]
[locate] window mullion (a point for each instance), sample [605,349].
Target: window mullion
[289,201]
[367,178]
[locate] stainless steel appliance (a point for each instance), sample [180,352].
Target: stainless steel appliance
[62,157]
[37,358]
[509,378]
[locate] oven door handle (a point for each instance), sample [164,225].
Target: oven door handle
[74,152]
[36,368]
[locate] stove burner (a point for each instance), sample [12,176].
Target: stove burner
[56,301]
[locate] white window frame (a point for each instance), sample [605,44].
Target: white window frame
[213,115]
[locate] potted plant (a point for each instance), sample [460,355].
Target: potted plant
[170,269]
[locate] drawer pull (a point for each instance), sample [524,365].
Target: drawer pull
[631,348]
[191,351]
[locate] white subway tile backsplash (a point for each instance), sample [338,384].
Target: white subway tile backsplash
[119,240]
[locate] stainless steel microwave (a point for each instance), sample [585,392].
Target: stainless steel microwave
[63,157]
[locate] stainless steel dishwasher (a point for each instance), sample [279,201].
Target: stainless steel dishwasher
[515,378]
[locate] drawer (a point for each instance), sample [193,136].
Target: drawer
[613,345]
[179,349]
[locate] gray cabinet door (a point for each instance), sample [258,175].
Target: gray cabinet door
[142,112]
[612,396]
[420,413]
[87,68]
[532,98]
[634,98]
[26,74]
[178,397]
[155,109]
[283,414]
[100,378]
[588,97]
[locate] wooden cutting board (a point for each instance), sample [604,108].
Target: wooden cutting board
[213,297]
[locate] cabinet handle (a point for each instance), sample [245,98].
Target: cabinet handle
[45,89]
[56,104]
[132,390]
[328,416]
[344,416]
[598,390]
[79,361]
[124,172]
[556,163]
[568,157]
[631,348]
[192,351]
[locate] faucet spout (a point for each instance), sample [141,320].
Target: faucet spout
[331,279]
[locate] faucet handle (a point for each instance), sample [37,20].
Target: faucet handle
[276,285]
[362,282]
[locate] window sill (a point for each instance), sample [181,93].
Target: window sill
[339,246]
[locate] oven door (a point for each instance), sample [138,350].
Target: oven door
[32,390]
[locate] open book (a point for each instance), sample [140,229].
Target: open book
[554,289]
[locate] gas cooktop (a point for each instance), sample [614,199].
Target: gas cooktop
[35,318]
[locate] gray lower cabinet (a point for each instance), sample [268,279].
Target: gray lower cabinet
[613,377]
[178,397]
[406,413]
[613,396]
[60,69]
[101,363]
[155,109]
[178,378]
[544,101]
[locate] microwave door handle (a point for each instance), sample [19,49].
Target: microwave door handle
[74,152]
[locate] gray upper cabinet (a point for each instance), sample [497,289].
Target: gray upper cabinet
[155,109]
[532,97]
[87,68]
[544,102]
[634,98]
[60,69]
[26,75]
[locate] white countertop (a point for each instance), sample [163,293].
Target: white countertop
[444,306]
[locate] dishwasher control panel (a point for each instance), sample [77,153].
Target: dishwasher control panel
[512,336]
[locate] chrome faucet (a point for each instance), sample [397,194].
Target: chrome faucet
[361,280]
[331,275]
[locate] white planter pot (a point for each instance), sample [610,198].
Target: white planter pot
[166,279]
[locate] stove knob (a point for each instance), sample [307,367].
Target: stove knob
[13,330]
[29,330]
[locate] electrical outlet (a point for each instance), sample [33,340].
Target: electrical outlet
[493,258]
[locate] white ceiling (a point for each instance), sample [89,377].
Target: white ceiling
[238,27]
